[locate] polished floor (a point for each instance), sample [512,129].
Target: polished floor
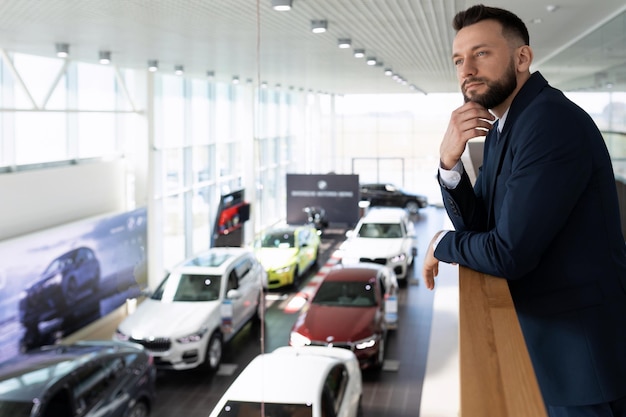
[396,391]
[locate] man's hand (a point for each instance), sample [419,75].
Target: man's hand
[467,122]
[430,268]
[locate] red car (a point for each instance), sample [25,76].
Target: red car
[353,308]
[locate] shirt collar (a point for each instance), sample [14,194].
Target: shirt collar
[502,120]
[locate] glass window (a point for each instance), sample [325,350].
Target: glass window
[40,137]
[38,74]
[95,87]
[96,135]
[174,230]
[170,111]
[200,110]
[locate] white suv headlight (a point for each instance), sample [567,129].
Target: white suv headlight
[193,337]
[119,335]
[397,258]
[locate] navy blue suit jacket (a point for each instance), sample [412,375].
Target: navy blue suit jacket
[544,215]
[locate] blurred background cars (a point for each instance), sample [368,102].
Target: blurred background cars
[316,217]
[201,304]
[308,381]
[383,236]
[65,283]
[287,252]
[349,310]
[386,194]
[95,378]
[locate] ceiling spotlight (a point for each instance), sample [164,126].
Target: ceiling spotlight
[179,70]
[552,8]
[359,53]
[264,84]
[388,71]
[371,60]
[63,50]
[319,26]
[344,43]
[153,65]
[236,79]
[105,57]
[281,5]
[210,74]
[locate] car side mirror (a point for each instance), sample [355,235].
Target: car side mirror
[349,233]
[233,294]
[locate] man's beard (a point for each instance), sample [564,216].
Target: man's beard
[497,91]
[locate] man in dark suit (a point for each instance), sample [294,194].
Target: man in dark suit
[543,214]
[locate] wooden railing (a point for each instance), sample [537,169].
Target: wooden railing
[497,378]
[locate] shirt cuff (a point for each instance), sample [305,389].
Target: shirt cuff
[441,235]
[452,177]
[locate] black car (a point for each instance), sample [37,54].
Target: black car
[65,288]
[386,194]
[95,378]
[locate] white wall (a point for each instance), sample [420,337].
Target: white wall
[39,199]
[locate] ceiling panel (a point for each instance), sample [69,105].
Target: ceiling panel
[580,45]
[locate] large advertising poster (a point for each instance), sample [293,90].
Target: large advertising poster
[54,282]
[337,194]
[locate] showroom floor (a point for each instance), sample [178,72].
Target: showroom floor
[396,391]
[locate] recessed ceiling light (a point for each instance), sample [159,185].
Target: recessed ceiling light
[319,26]
[344,43]
[281,5]
[63,50]
[104,57]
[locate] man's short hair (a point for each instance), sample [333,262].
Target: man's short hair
[512,26]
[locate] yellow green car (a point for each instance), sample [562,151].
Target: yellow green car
[286,253]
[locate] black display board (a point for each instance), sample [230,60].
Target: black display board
[337,194]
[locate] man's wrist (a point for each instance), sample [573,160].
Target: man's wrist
[438,239]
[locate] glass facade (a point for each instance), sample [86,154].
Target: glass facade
[210,138]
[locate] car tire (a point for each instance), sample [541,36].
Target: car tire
[380,356]
[412,207]
[295,282]
[214,351]
[359,409]
[139,409]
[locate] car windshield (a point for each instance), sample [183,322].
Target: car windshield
[253,409]
[188,287]
[345,294]
[380,230]
[278,240]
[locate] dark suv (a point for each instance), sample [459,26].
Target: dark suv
[385,194]
[103,378]
[67,281]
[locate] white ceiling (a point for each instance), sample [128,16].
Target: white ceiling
[580,45]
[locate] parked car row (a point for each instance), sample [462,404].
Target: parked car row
[206,300]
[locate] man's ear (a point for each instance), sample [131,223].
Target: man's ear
[524,58]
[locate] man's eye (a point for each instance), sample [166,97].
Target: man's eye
[457,62]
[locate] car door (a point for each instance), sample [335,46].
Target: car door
[247,284]
[306,248]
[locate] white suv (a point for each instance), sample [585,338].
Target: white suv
[384,236]
[198,307]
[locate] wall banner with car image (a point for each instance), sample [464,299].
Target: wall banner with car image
[337,195]
[57,281]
